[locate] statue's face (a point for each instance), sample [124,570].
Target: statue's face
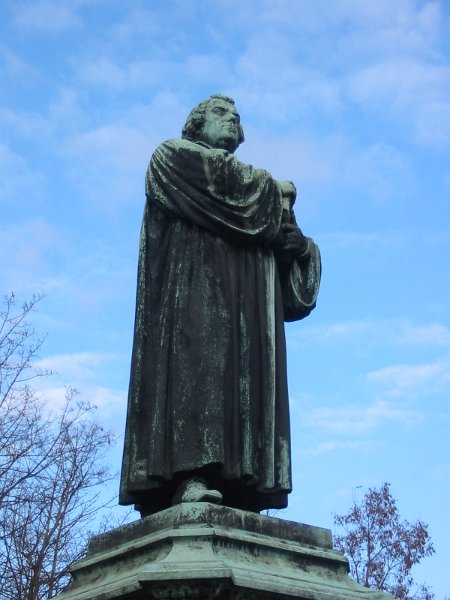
[221,126]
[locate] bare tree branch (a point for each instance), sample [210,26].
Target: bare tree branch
[51,470]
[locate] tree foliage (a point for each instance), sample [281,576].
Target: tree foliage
[51,469]
[381,548]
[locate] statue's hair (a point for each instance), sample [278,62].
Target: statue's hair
[194,123]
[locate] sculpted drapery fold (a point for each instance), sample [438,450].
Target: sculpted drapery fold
[208,390]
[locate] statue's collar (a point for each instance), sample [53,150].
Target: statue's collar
[204,144]
[209,147]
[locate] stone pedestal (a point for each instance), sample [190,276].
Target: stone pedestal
[204,551]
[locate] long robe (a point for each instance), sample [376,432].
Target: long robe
[208,387]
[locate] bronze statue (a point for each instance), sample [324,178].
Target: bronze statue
[222,265]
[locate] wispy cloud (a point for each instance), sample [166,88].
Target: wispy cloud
[45,15]
[333,446]
[110,403]
[25,123]
[432,334]
[375,28]
[413,379]
[26,248]
[85,372]
[78,277]
[108,161]
[351,172]
[382,28]
[136,23]
[355,420]
[48,127]
[108,164]
[384,332]
[366,240]
[135,74]
[78,366]
[18,181]
[411,88]
[109,72]
[13,66]
[393,65]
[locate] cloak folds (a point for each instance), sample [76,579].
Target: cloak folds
[208,390]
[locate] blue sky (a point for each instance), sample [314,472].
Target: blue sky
[351,100]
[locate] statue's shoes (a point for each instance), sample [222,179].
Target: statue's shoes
[213,496]
[196,490]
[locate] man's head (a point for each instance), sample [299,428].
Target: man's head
[215,122]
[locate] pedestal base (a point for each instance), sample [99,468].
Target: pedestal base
[204,551]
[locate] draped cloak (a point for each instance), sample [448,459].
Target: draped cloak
[208,387]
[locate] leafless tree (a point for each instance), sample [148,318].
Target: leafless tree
[20,414]
[51,470]
[381,548]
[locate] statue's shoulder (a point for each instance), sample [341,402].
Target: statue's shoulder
[180,145]
[178,149]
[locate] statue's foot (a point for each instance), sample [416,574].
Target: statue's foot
[196,490]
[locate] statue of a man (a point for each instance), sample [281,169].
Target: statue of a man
[222,265]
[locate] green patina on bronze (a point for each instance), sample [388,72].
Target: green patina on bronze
[222,265]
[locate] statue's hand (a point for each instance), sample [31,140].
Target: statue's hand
[293,241]
[290,243]
[288,189]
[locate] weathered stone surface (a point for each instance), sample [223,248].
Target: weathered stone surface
[203,551]
[222,265]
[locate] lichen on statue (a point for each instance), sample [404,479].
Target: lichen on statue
[221,267]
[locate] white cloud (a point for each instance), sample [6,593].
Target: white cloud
[76,367]
[354,420]
[65,112]
[336,240]
[355,173]
[136,23]
[77,278]
[286,157]
[17,179]
[47,128]
[109,164]
[387,332]
[414,379]
[213,69]
[384,57]
[376,27]
[411,90]
[382,28]
[45,15]
[433,121]
[11,65]
[110,403]
[104,72]
[446,179]
[153,74]
[112,145]
[403,82]
[25,123]
[432,334]
[296,90]
[85,372]
[334,446]
[25,248]
[161,118]
[379,172]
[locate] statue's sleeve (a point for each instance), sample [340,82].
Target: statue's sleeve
[300,283]
[212,189]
